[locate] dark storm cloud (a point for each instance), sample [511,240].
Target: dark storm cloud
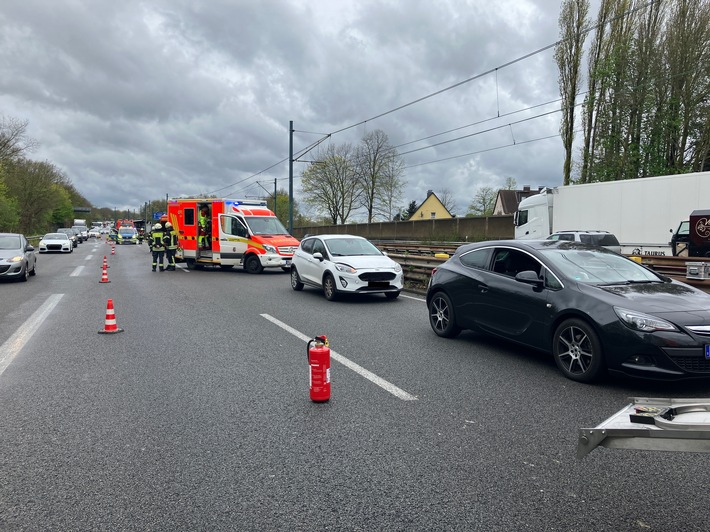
[134,100]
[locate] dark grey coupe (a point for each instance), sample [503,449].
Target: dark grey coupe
[593,309]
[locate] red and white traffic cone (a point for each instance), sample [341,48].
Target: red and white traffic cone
[105,264]
[104,275]
[113,250]
[110,324]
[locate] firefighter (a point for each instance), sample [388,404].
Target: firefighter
[170,246]
[203,225]
[157,246]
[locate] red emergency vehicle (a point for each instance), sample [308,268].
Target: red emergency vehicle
[236,232]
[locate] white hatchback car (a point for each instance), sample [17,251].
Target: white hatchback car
[345,264]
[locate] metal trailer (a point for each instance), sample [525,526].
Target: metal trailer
[652,424]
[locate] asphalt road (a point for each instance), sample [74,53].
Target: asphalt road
[198,417]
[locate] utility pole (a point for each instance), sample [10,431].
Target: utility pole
[290,177]
[274,195]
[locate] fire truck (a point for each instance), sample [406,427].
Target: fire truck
[230,232]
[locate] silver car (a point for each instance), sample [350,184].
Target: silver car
[17,257]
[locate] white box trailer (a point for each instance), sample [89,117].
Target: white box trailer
[640,212]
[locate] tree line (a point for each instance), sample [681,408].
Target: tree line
[646,105]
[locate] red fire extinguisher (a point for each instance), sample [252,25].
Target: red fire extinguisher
[319,373]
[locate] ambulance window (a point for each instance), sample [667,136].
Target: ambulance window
[232,226]
[189,216]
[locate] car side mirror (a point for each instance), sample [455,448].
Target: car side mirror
[318,255]
[30,247]
[529,277]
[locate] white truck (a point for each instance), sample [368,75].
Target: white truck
[640,212]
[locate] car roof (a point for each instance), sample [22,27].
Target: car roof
[585,231]
[330,236]
[526,245]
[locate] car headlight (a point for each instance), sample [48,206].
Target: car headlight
[16,258]
[269,249]
[397,267]
[639,321]
[345,268]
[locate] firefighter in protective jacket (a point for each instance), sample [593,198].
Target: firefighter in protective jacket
[171,245]
[157,241]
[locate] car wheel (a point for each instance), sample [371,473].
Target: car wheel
[442,317]
[24,275]
[253,264]
[33,271]
[190,264]
[391,295]
[329,290]
[577,351]
[296,283]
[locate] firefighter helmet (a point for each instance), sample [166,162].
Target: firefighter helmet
[157,227]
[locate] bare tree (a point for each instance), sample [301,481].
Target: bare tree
[379,170]
[329,185]
[568,55]
[14,141]
[448,200]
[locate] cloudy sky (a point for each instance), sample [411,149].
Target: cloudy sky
[136,99]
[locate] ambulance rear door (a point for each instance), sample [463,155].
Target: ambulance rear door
[233,237]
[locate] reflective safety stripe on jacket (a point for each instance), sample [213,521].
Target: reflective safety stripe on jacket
[157,239]
[172,239]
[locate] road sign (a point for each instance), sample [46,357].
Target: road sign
[158,215]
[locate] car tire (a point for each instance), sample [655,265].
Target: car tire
[253,264]
[391,295]
[24,275]
[33,271]
[577,351]
[296,283]
[442,317]
[329,290]
[190,264]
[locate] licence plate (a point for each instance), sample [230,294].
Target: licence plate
[378,284]
[707,351]
[287,262]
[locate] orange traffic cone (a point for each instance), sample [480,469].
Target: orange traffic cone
[110,325]
[104,275]
[105,264]
[113,250]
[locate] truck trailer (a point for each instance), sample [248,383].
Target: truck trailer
[640,212]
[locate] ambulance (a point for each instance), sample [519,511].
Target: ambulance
[228,233]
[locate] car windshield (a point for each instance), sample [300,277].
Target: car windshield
[266,225]
[10,242]
[348,247]
[56,236]
[599,267]
[124,231]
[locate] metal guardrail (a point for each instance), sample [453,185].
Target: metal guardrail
[418,260]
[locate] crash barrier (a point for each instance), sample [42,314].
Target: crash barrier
[418,260]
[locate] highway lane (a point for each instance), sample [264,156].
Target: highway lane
[197,416]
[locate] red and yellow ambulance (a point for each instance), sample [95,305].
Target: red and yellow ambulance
[230,232]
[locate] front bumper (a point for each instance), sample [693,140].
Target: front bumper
[366,283]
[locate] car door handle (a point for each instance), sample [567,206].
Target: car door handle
[483,289]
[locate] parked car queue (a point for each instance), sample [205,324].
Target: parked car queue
[595,311]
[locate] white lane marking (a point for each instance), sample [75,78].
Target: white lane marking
[89,257]
[412,297]
[77,271]
[382,383]
[14,344]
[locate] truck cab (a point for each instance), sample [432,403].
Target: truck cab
[533,219]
